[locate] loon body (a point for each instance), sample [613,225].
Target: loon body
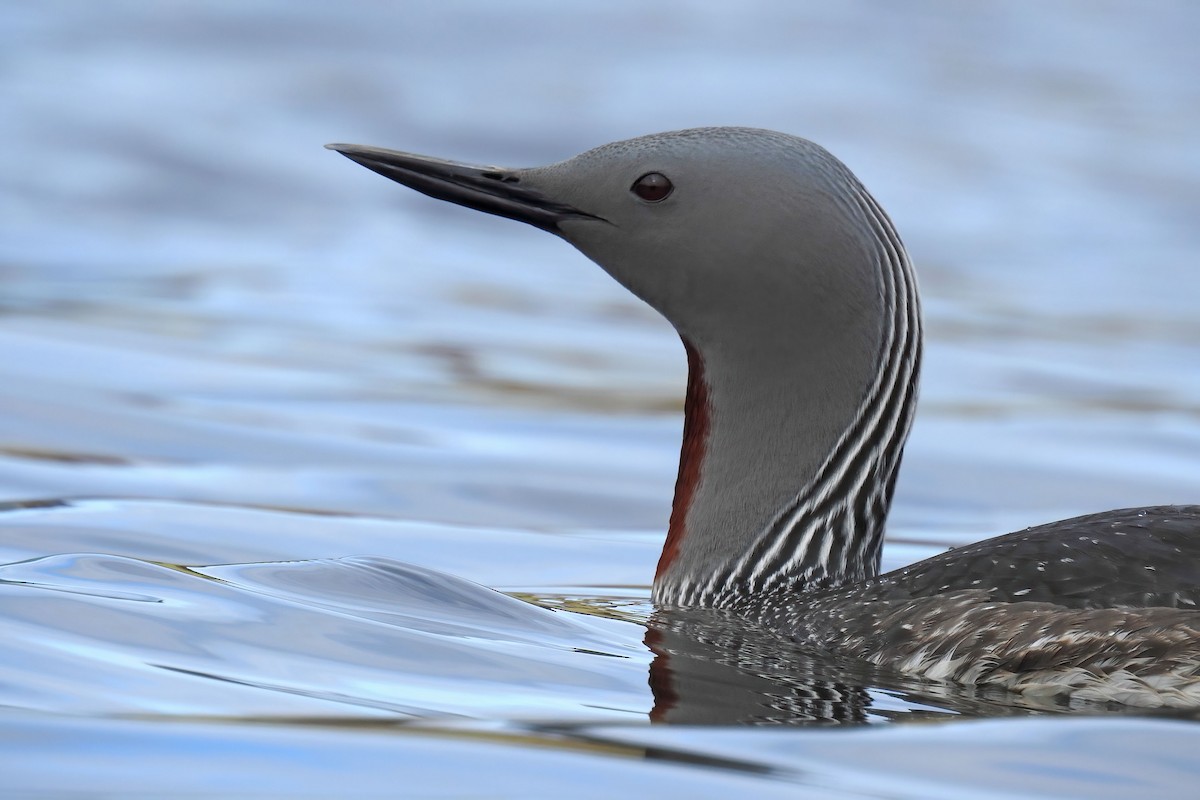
[799,314]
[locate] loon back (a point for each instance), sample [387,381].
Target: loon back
[1099,608]
[1125,559]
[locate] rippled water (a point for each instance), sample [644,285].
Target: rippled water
[313,485]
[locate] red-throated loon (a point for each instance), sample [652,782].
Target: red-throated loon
[798,310]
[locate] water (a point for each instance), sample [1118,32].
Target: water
[273,431]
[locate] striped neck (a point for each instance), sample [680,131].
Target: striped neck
[792,445]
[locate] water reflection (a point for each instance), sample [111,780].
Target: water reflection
[716,671]
[714,668]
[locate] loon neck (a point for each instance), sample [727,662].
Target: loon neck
[792,443]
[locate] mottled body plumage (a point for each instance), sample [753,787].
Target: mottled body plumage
[1100,607]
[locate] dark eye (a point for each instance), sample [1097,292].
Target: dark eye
[652,187]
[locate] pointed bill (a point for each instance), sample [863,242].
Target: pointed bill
[493,190]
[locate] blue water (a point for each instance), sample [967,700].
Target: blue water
[313,485]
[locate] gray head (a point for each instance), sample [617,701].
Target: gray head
[751,221]
[783,278]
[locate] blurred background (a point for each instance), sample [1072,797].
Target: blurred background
[200,302]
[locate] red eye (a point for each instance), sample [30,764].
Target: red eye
[652,187]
